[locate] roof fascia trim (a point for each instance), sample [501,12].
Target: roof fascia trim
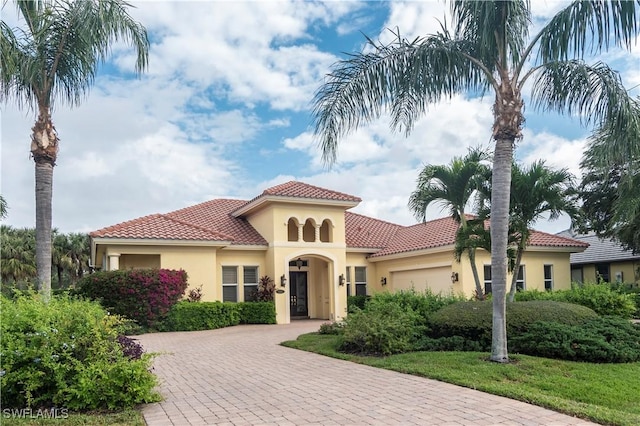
[257,203]
[157,242]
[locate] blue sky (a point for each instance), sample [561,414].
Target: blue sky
[224,111]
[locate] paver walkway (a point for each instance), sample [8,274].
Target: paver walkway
[241,376]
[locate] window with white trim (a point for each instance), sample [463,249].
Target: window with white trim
[229,283]
[250,283]
[548,277]
[487,279]
[520,280]
[361,280]
[348,281]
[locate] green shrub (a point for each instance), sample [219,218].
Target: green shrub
[143,295]
[66,353]
[188,316]
[356,302]
[380,329]
[600,297]
[608,339]
[473,320]
[631,289]
[333,328]
[424,304]
[257,312]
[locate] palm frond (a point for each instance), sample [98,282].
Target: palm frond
[402,78]
[593,92]
[497,30]
[57,56]
[589,26]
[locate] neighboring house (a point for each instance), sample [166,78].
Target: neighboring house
[604,260]
[316,251]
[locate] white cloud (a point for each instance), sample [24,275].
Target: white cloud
[224,76]
[558,152]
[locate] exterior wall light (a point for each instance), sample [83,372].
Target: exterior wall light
[299,263]
[454,277]
[383,281]
[283,280]
[341,279]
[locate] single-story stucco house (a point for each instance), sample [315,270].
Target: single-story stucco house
[604,259]
[315,249]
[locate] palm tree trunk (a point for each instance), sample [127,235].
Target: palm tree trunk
[476,277]
[44,149]
[501,185]
[44,190]
[514,278]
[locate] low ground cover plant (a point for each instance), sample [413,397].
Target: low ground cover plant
[603,339]
[67,353]
[604,299]
[143,295]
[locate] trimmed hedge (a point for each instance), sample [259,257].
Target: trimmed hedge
[190,316]
[68,353]
[473,320]
[607,339]
[602,298]
[257,312]
[143,295]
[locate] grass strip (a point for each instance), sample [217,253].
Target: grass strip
[604,393]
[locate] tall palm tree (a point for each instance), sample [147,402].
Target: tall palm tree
[454,187]
[489,50]
[55,57]
[537,191]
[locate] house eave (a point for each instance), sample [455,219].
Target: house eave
[261,201]
[157,242]
[412,253]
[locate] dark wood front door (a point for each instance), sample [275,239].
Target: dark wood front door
[298,294]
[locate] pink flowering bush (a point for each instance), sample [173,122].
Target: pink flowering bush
[142,295]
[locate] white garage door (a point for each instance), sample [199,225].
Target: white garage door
[437,279]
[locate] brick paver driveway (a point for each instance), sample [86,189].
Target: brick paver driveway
[241,376]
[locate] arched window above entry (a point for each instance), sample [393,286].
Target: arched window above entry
[309,231]
[292,229]
[326,234]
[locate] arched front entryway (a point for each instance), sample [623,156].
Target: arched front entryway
[310,287]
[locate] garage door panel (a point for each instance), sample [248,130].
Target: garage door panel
[436,279]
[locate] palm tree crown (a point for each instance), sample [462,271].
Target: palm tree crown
[54,58]
[489,49]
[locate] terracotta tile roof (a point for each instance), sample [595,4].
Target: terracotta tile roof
[442,232]
[161,227]
[539,238]
[367,232]
[216,215]
[435,233]
[214,221]
[303,190]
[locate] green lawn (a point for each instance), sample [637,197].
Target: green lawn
[129,417]
[604,393]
